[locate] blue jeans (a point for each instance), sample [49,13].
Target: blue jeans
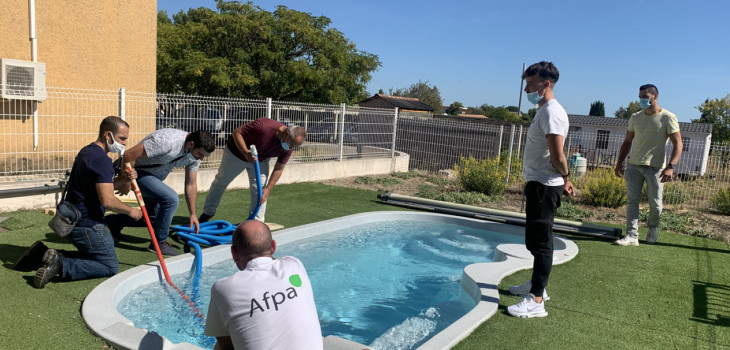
[96,248]
[161,202]
[635,176]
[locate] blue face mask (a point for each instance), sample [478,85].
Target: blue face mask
[534,97]
[284,145]
[644,103]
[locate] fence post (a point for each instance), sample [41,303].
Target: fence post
[342,130]
[35,126]
[392,146]
[519,141]
[122,98]
[499,145]
[268,107]
[509,159]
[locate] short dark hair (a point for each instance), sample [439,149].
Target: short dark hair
[546,71]
[202,138]
[651,88]
[111,123]
[253,243]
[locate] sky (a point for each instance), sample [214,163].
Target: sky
[473,50]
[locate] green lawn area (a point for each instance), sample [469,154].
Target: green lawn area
[672,295]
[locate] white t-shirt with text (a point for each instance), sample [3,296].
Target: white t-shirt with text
[269,305]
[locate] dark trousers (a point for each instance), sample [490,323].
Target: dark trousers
[542,201]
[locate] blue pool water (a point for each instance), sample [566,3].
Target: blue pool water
[390,285]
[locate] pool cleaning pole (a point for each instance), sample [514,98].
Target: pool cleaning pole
[138,194]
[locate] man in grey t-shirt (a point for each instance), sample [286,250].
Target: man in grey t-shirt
[153,159]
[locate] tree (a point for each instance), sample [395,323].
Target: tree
[426,93]
[454,108]
[240,50]
[716,112]
[504,113]
[597,109]
[625,113]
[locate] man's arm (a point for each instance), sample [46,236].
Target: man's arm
[241,145]
[275,175]
[191,196]
[623,152]
[105,191]
[559,162]
[223,343]
[667,173]
[136,152]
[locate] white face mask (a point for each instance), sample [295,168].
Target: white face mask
[114,147]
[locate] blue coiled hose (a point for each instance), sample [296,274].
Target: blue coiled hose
[214,232]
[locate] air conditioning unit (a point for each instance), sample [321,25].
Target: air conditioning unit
[22,80]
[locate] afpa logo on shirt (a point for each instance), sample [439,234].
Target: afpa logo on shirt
[276,298]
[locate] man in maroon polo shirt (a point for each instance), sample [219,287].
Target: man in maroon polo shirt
[272,139]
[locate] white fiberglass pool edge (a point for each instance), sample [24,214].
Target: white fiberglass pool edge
[480,280]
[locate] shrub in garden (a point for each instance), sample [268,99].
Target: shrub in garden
[601,188]
[675,193]
[485,176]
[721,200]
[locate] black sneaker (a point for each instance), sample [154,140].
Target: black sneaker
[165,249]
[205,217]
[32,258]
[53,265]
[114,228]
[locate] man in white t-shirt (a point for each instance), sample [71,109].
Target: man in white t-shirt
[268,304]
[547,176]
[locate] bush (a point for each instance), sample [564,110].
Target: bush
[515,173]
[569,211]
[384,181]
[675,193]
[428,192]
[721,200]
[483,176]
[601,188]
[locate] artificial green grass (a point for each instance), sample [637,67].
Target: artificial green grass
[674,294]
[671,295]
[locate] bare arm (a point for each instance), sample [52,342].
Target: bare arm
[275,175]
[136,152]
[623,152]
[105,191]
[223,343]
[191,196]
[559,162]
[667,173]
[241,145]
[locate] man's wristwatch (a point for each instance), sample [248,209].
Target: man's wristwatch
[670,166]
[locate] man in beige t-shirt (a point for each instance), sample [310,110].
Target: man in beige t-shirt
[647,137]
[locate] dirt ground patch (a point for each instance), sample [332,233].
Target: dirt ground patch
[702,222]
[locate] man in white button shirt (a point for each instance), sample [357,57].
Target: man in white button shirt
[266,305]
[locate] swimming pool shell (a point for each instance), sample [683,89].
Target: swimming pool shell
[480,280]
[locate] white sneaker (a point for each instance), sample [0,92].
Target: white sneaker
[524,290]
[652,235]
[528,308]
[626,241]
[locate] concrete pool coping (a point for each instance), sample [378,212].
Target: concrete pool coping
[480,280]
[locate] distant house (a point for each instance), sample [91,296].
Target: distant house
[407,106]
[599,138]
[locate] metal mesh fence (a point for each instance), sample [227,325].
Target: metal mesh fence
[435,145]
[41,139]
